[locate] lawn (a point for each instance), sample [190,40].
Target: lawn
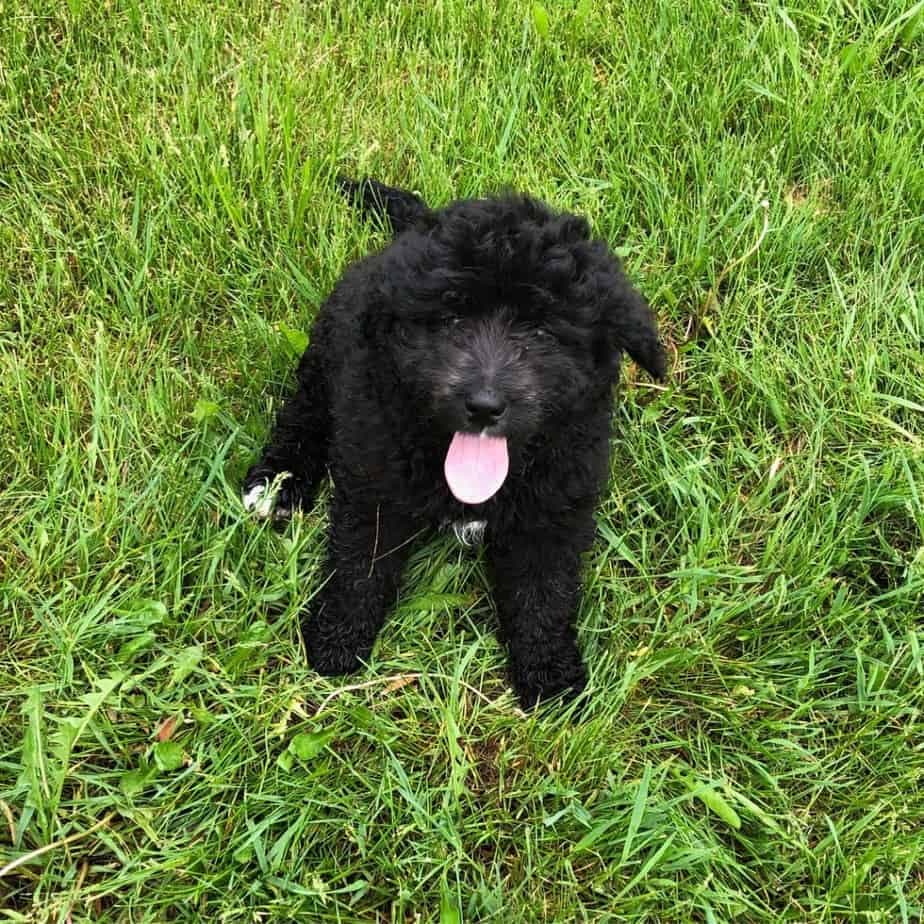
[753,749]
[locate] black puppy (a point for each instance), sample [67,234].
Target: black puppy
[462,376]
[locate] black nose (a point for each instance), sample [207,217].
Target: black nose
[485,407]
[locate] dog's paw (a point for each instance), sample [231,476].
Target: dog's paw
[537,683]
[334,661]
[330,657]
[259,500]
[269,494]
[332,648]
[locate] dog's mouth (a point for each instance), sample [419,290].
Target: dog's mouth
[476,466]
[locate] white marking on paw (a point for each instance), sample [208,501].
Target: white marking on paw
[260,501]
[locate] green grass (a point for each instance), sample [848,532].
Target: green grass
[754,748]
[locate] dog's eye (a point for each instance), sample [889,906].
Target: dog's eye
[450,321]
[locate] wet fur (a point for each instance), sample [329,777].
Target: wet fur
[502,293]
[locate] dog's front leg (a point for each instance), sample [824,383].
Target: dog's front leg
[367,550]
[537,576]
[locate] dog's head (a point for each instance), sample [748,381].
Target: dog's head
[502,318]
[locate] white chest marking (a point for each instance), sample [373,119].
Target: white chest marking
[469,533]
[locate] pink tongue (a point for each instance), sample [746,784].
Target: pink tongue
[476,466]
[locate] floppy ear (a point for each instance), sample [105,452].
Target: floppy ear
[631,327]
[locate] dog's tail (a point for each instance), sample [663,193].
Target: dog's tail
[397,207]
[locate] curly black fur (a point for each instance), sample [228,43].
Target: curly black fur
[500,294]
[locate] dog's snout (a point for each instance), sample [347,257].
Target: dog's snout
[485,407]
